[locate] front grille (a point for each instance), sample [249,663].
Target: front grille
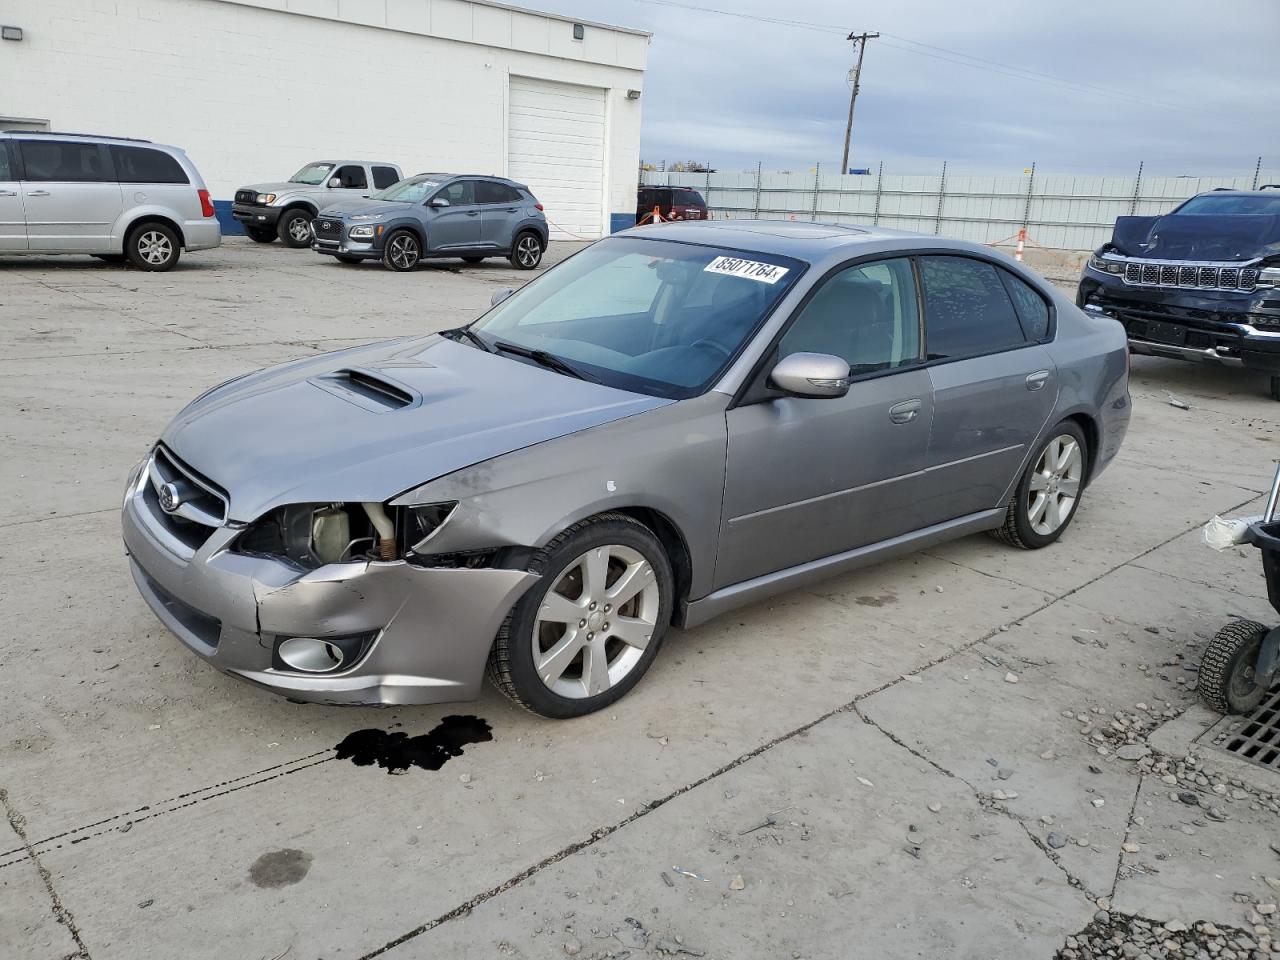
[327,228]
[246,196]
[1173,273]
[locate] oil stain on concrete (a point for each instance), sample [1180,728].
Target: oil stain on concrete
[397,752]
[280,868]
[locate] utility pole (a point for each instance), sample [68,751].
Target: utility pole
[860,41]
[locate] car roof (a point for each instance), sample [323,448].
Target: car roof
[804,240]
[446,177]
[94,137]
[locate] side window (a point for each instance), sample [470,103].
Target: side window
[352,177]
[489,192]
[145,165]
[966,309]
[866,315]
[1031,307]
[384,177]
[64,160]
[459,193]
[6,169]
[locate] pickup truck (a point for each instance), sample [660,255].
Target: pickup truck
[285,209]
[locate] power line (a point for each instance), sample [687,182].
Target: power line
[951,56]
[860,41]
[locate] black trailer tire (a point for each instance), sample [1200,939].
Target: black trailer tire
[1226,681]
[294,228]
[261,234]
[627,547]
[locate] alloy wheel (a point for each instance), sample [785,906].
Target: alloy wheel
[595,621]
[300,229]
[154,247]
[1055,485]
[404,252]
[528,251]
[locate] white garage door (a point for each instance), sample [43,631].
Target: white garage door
[555,144]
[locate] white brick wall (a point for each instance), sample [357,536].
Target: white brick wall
[252,89]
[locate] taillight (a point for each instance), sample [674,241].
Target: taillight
[206,205]
[537,206]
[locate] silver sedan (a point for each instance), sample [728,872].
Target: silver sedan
[676,421]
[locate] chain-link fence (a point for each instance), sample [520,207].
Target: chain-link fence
[1059,213]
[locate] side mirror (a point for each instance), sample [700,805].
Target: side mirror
[439,202]
[335,182]
[816,376]
[499,296]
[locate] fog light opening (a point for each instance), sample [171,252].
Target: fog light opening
[309,655]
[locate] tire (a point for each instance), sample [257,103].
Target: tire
[526,251]
[472,259]
[630,550]
[261,234]
[1226,681]
[153,247]
[292,226]
[1026,524]
[343,258]
[402,251]
[110,257]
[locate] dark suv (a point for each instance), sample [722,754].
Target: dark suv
[1200,283]
[436,215]
[673,203]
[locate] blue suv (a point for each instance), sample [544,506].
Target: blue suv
[436,215]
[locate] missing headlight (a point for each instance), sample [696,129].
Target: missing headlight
[418,524]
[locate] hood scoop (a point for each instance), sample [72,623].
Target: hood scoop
[368,390]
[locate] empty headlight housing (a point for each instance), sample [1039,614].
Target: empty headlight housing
[314,534]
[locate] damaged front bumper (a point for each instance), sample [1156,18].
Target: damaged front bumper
[426,632]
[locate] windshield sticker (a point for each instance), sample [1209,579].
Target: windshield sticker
[751,269]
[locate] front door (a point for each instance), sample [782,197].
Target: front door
[994,383]
[70,196]
[353,184]
[809,478]
[13,224]
[456,226]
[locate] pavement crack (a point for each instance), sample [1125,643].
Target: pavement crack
[19,824]
[1128,830]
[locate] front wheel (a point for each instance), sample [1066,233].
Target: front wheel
[1227,681]
[260,234]
[153,247]
[590,627]
[294,228]
[1048,492]
[402,251]
[526,254]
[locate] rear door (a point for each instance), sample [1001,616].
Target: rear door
[150,176]
[500,211]
[457,226]
[384,177]
[994,383]
[809,478]
[13,223]
[70,195]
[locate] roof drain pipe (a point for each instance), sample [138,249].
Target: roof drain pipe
[386,530]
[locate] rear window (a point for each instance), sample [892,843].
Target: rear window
[6,170]
[64,161]
[145,165]
[688,198]
[384,177]
[1033,312]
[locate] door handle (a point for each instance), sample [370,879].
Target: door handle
[8,193]
[473,213]
[512,209]
[1037,380]
[37,193]
[905,411]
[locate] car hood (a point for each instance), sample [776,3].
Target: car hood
[1195,237]
[352,208]
[277,187]
[368,423]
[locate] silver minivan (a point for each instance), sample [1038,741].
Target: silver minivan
[114,198]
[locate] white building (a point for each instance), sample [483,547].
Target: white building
[253,89]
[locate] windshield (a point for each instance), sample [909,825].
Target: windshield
[412,190]
[312,174]
[651,316]
[1229,205]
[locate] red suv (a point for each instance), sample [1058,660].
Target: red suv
[673,203]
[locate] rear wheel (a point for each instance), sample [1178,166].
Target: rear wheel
[1227,681]
[261,234]
[152,247]
[590,627]
[526,253]
[294,228]
[1048,492]
[402,251]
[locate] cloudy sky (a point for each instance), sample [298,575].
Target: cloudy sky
[1092,86]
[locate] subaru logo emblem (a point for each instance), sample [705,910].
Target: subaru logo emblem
[170,497]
